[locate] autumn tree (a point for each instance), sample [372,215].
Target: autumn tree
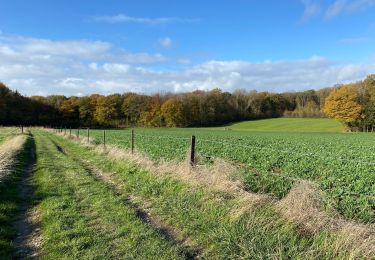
[133,105]
[70,111]
[173,113]
[342,104]
[105,111]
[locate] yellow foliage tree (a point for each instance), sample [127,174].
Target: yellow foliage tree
[173,113]
[342,105]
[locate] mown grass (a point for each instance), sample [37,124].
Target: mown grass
[10,200]
[305,125]
[82,218]
[206,217]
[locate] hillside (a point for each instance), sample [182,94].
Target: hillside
[290,125]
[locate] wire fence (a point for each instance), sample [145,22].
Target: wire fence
[199,151]
[126,136]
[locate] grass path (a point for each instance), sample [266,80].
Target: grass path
[27,241]
[82,218]
[206,218]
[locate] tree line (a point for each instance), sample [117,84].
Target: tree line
[193,109]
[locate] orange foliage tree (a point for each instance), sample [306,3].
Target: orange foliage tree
[342,104]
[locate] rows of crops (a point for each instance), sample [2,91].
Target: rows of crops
[343,165]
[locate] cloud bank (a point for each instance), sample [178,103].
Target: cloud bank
[43,67]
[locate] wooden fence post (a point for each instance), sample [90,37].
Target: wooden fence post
[21,129]
[70,132]
[132,143]
[192,151]
[78,133]
[104,138]
[88,134]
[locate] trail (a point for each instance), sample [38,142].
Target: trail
[27,241]
[167,232]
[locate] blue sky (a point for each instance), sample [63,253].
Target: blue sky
[82,47]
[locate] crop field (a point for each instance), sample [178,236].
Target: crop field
[343,165]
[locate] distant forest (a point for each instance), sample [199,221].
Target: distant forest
[352,104]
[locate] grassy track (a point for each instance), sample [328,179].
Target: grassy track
[10,200]
[304,125]
[82,218]
[202,216]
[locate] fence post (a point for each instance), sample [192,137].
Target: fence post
[104,138]
[65,131]
[70,132]
[88,134]
[78,133]
[21,129]
[192,151]
[132,144]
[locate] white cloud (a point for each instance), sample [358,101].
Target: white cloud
[18,48]
[122,18]
[339,7]
[96,67]
[165,42]
[312,8]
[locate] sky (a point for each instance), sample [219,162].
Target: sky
[82,47]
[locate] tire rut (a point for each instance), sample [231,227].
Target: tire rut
[27,241]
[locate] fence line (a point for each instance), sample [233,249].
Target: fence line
[323,158]
[299,155]
[109,137]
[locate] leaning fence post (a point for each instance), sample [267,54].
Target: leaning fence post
[104,138]
[192,151]
[88,134]
[132,143]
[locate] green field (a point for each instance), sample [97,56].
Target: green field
[290,125]
[342,164]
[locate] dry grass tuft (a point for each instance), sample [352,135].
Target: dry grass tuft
[303,206]
[247,201]
[357,239]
